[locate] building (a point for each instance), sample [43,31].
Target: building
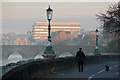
[16,41]
[4,42]
[40,29]
[92,33]
[19,41]
[61,35]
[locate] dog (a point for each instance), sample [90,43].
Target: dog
[107,68]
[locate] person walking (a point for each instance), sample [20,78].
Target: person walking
[80,56]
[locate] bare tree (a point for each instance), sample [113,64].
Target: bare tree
[111,20]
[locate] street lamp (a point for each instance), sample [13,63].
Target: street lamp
[49,17]
[96,48]
[49,52]
[96,52]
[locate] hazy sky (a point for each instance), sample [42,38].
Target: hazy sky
[19,17]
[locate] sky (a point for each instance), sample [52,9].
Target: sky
[19,17]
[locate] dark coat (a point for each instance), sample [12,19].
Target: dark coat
[80,56]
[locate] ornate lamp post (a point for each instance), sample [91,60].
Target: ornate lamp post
[96,52]
[96,48]
[49,53]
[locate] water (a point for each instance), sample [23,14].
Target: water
[16,57]
[39,56]
[67,54]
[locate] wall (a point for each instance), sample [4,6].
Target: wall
[39,69]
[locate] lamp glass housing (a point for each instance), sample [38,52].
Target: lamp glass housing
[49,13]
[96,31]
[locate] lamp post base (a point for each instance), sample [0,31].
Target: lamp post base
[96,52]
[49,54]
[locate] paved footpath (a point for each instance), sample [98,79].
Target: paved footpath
[91,71]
